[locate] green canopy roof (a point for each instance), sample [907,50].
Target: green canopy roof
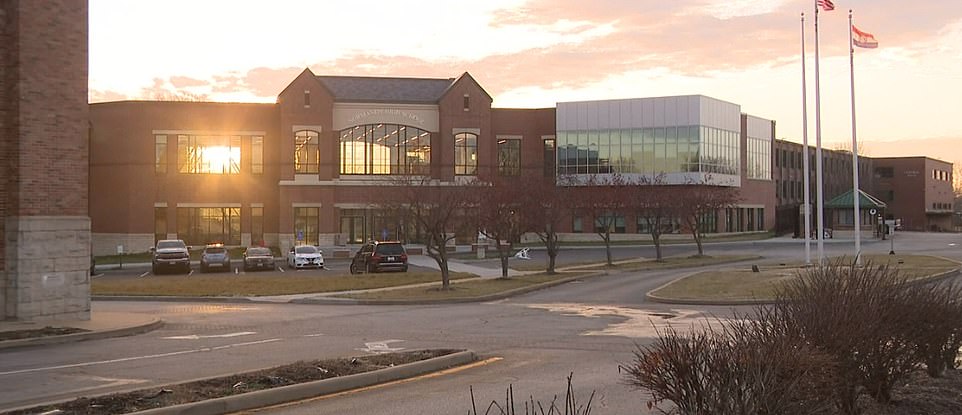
[865,201]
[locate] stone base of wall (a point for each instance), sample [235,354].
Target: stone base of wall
[47,268]
[106,243]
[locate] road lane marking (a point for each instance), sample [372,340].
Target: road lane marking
[133,358]
[144,274]
[314,335]
[190,273]
[210,336]
[280,269]
[635,323]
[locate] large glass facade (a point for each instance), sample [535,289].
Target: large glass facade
[385,149]
[208,154]
[759,158]
[675,149]
[199,226]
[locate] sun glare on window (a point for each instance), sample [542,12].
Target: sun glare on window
[219,159]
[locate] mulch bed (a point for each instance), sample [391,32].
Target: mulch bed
[299,372]
[921,395]
[31,333]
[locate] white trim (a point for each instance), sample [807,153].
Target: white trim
[354,205]
[750,206]
[456,131]
[306,204]
[548,137]
[209,132]
[257,205]
[508,137]
[160,204]
[299,127]
[366,181]
[208,205]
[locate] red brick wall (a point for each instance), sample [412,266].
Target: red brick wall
[452,115]
[531,124]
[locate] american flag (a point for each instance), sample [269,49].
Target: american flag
[826,5]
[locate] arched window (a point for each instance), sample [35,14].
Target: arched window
[465,154]
[385,149]
[306,152]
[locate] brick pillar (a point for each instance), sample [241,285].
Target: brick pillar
[45,248]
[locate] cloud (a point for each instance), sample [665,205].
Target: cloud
[96,95]
[185,81]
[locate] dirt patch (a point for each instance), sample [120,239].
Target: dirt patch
[921,395]
[44,332]
[299,372]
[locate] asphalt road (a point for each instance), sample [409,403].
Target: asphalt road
[532,342]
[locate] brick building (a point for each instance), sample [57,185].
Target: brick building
[43,156]
[306,169]
[918,191]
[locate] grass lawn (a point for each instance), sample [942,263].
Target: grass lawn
[743,284]
[464,289]
[640,264]
[231,285]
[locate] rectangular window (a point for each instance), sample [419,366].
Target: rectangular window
[884,172]
[200,226]
[208,154]
[257,226]
[306,152]
[305,225]
[761,219]
[385,149]
[160,153]
[160,224]
[509,157]
[257,154]
[576,226]
[465,154]
[615,222]
[467,103]
[550,163]
[307,99]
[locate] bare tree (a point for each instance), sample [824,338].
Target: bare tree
[500,216]
[698,202]
[438,211]
[656,204]
[604,200]
[544,207]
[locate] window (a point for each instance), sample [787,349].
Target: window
[385,149]
[884,172]
[509,157]
[200,226]
[307,99]
[160,223]
[549,157]
[615,222]
[466,154]
[759,158]
[467,103]
[576,226]
[305,225]
[257,226]
[160,153]
[208,154]
[257,154]
[761,219]
[306,152]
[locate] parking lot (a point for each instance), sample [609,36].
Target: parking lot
[332,267]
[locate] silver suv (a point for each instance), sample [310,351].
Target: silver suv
[170,254]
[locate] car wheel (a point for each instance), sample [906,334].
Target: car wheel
[354,269]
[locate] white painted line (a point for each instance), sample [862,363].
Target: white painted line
[146,273]
[190,273]
[314,335]
[280,269]
[381,347]
[211,336]
[128,359]
[236,271]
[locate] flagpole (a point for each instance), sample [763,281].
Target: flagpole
[855,186]
[820,220]
[805,157]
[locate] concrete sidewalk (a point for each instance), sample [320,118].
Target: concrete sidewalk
[100,326]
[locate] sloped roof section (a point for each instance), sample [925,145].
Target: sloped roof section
[396,90]
[845,201]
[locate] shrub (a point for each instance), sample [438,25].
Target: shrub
[533,407]
[939,324]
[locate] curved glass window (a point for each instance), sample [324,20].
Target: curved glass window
[306,152]
[385,149]
[465,154]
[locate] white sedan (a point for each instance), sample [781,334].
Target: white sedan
[305,256]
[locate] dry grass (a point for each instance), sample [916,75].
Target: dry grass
[252,285]
[640,264]
[743,284]
[465,289]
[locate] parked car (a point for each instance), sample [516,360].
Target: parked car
[257,257]
[380,256]
[305,256]
[215,256]
[170,254]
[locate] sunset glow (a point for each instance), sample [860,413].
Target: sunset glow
[539,52]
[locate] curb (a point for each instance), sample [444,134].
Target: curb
[176,299]
[290,393]
[76,337]
[483,298]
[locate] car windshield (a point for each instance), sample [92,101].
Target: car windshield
[258,252]
[170,244]
[305,250]
[217,250]
[390,249]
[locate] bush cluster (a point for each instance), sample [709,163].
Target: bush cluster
[834,333]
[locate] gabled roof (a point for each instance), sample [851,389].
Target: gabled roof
[396,90]
[845,201]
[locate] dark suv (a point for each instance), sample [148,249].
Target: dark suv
[170,254]
[380,256]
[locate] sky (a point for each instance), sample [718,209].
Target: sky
[535,53]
